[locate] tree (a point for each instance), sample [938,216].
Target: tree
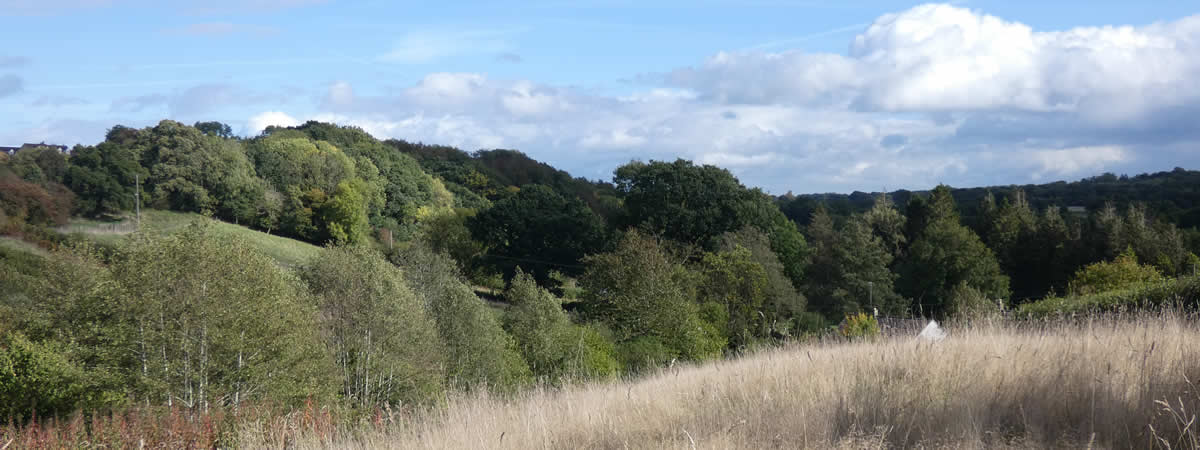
[944,255]
[682,201]
[217,129]
[539,229]
[210,331]
[479,354]
[783,305]
[1011,231]
[537,321]
[697,204]
[734,283]
[649,302]
[103,178]
[887,224]
[383,339]
[344,215]
[850,270]
[191,171]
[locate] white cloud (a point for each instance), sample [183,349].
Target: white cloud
[947,58]
[260,122]
[1077,161]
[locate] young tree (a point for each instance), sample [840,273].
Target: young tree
[479,354]
[384,341]
[733,282]
[783,304]
[210,331]
[649,302]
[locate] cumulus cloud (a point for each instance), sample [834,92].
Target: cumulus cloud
[947,58]
[1077,161]
[260,122]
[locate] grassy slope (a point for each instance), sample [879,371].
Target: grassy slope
[1093,384]
[287,252]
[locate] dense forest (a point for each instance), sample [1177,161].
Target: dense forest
[667,261]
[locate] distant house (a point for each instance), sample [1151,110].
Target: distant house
[1078,210]
[27,146]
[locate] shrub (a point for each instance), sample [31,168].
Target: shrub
[1184,292]
[37,378]
[860,326]
[1119,273]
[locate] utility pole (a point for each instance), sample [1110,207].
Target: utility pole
[137,195]
[871,293]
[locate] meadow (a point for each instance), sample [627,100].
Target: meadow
[1103,382]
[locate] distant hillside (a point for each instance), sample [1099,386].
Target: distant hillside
[493,173]
[1171,196]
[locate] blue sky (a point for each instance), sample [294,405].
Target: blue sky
[807,96]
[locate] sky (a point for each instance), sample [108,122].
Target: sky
[790,95]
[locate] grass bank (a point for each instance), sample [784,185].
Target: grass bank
[288,252]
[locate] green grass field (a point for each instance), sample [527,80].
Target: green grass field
[288,252]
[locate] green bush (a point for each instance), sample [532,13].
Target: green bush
[1122,272]
[590,352]
[1183,292]
[37,378]
[643,353]
[860,326]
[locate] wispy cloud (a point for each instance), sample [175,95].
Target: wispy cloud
[57,100]
[48,7]
[221,29]
[424,46]
[792,41]
[13,62]
[509,57]
[11,85]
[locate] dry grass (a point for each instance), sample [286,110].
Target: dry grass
[1102,383]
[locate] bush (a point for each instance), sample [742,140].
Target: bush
[1119,273]
[590,352]
[643,353]
[860,326]
[1183,292]
[37,379]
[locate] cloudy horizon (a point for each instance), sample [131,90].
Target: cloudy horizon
[803,97]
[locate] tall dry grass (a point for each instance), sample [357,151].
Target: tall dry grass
[1097,383]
